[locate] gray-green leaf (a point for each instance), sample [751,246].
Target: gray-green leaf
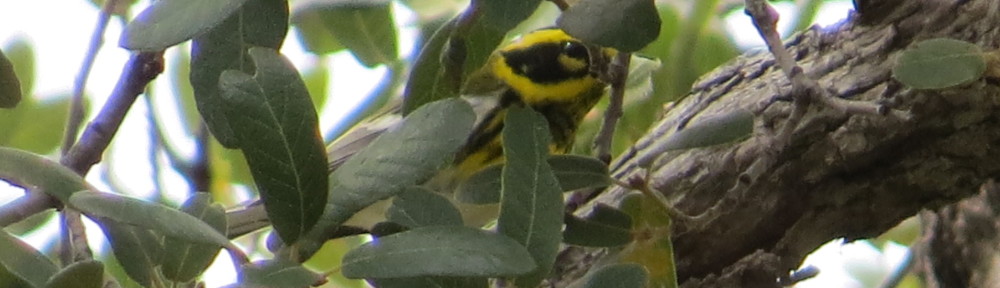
[366,28]
[431,282]
[276,126]
[278,273]
[439,251]
[10,87]
[425,141]
[29,170]
[605,227]
[619,275]
[418,206]
[127,210]
[572,171]
[83,274]
[169,22]
[183,261]
[626,25]
[504,15]
[709,131]
[259,23]
[531,208]
[939,63]
[137,249]
[24,261]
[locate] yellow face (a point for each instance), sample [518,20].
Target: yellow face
[548,65]
[550,72]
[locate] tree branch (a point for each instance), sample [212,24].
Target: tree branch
[141,69]
[841,174]
[31,203]
[80,83]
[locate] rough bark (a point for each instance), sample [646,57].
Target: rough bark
[959,247]
[842,175]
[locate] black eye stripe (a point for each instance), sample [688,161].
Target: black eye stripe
[540,62]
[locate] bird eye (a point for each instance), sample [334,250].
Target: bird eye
[575,50]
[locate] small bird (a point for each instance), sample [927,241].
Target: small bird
[547,70]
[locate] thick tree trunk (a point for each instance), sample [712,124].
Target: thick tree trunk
[960,243]
[842,175]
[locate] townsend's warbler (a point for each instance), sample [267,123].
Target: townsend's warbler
[547,70]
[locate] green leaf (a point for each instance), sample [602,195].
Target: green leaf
[418,206]
[939,63]
[366,28]
[24,261]
[654,250]
[714,130]
[429,81]
[431,282]
[605,227]
[149,215]
[504,15]
[262,23]
[83,274]
[37,135]
[44,133]
[29,170]
[406,156]
[450,56]
[10,280]
[438,251]
[184,261]
[579,172]
[626,25]
[313,34]
[169,22]
[572,171]
[474,48]
[20,48]
[278,273]
[138,250]
[277,128]
[531,208]
[618,275]
[317,81]
[10,87]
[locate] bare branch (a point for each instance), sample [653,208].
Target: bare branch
[619,74]
[80,83]
[21,208]
[139,71]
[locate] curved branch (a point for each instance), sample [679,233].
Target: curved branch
[842,174]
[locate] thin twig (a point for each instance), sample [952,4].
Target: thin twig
[805,90]
[139,71]
[904,268]
[74,238]
[31,203]
[619,73]
[156,144]
[199,174]
[640,184]
[79,84]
